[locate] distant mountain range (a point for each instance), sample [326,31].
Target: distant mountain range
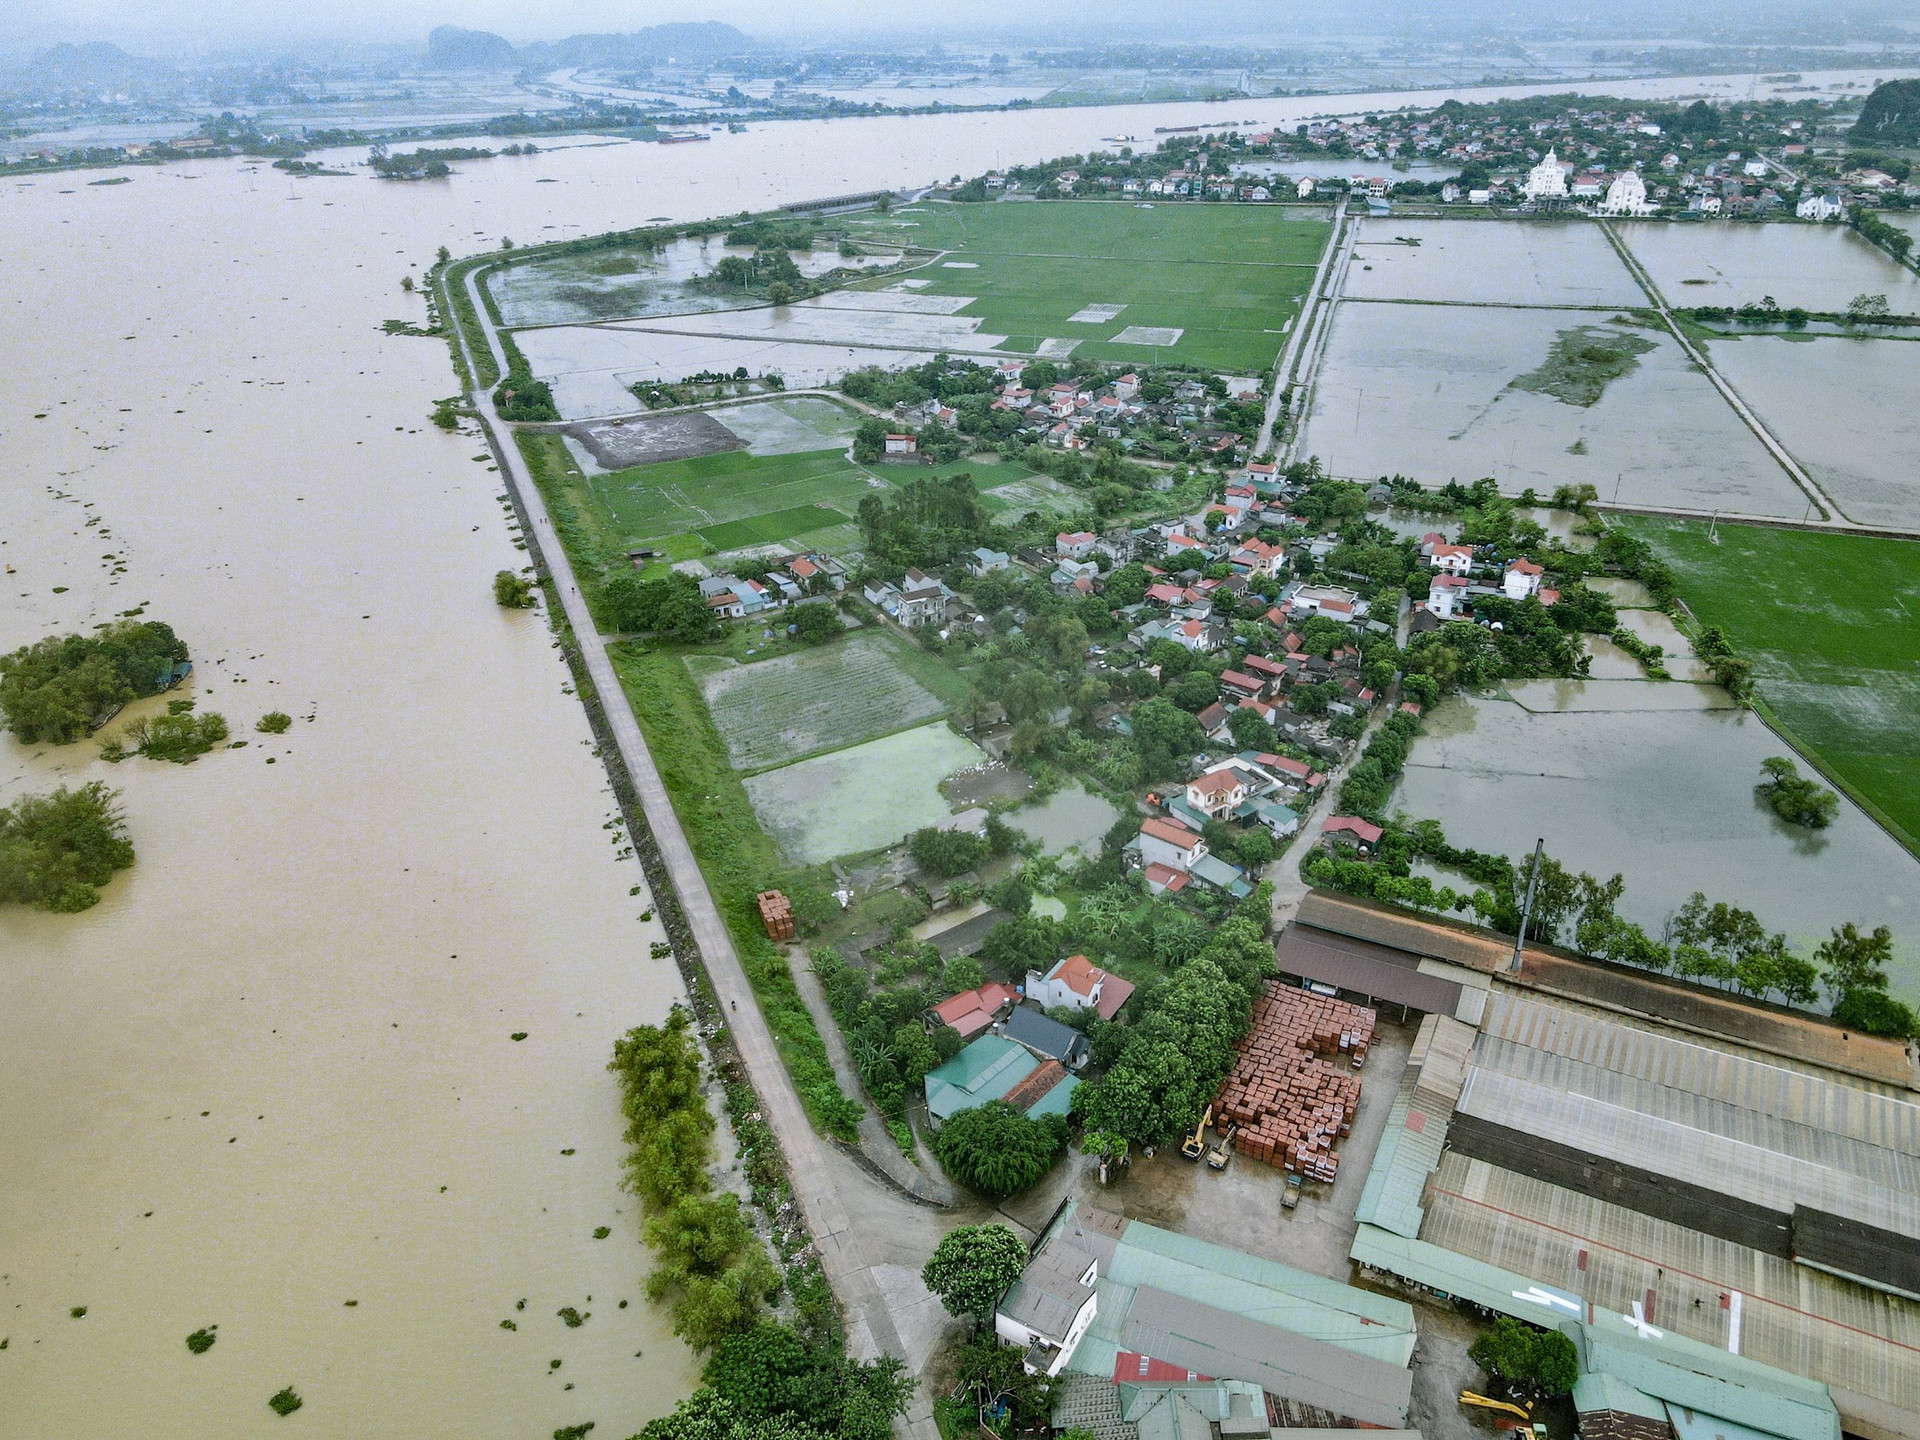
[98,63]
[451,48]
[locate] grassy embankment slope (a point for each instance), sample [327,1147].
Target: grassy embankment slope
[1832,624]
[1229,277]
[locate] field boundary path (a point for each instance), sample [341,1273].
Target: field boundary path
[1752,421]
[870,1328]
[1283,368]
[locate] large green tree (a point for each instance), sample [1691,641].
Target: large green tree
[972,1267]
[57,850]
[997,1150]
[54,689]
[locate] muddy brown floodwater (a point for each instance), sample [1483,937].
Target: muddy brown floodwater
[268,1084]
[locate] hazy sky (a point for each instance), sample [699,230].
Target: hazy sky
[205,23]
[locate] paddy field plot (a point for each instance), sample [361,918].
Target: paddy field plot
[862,798]
[1845,409]
[1428,391]
[743,498]
[1666,799]
[1226,278]
[790,426]
[1832,625]
[1817,267]
[1489,262]
[774,711]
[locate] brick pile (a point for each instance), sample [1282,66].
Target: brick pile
[1290,1103]
[776,913]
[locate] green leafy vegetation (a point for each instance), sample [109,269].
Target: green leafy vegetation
[179,736]
[1833,677]
[1794,798]
[768,1383]
[515,592]
[57,850]
[519,395]
[1533,1361]
[995,1149]
[1583,362]
[709,1263]
[972,1267]
[201,1341]
[285,1402]
[57,689]
[1890,116]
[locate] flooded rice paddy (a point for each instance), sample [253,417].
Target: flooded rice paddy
[1664,797]
[1489,262]
[1427,391]
[1845,410]
[1817,267]
[861,798]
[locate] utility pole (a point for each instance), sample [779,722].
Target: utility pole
[1526,910]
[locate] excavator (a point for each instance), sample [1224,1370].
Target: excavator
[1193,1147]
[1223,1152]
[1528,1425]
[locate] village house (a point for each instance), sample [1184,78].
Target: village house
[1350,829]
[1217,793]
[902,445]
[1445,594]
[971,1012]
[1075,983]
[1522,579]
[1161,842]
[1077,545]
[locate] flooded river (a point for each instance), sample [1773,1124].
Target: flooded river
[270,1083]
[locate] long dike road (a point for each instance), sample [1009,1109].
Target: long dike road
[870,1326]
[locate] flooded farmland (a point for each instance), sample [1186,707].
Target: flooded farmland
[1489,262]
[1817,267]
[1427,391]
[1664,797]
[274,1071]
[1844,409]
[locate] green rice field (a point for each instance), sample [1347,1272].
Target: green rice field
[1832,625]
[675,497]
[1229,278]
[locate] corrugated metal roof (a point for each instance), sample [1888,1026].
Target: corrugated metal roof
[1416,1129]
[1692,1425]
[1873,1163]
[1358,1321]
[1186,1331]
[1363,968]
[1770,1084]
[1700,1377]
[1798,1319]
[1593,1392]
[984,1071]
[1452,1273]
[1747,1168]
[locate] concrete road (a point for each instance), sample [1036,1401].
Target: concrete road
[869,1323]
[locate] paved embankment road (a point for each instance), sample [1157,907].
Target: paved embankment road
[869,1325]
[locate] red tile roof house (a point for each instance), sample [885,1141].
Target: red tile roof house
[1352,828]
[1248,685]
[1079,984]
[1075,546]
[1262,666]
[1297,772]
[972,1011]
[1454,559]
[1216,793]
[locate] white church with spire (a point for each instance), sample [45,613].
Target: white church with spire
[1547,180]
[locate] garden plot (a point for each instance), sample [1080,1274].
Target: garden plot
[1656,627]
[1845,410]
[859,799]
[1489,262]
[789,427]
[1095,314]
[650,438]
[783,496]
[1427,391]
[1817,267]
[1021,497]
[775,711]
[591,367]
[1666,799]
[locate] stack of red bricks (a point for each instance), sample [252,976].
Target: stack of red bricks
[1293,1092]
[776,913]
